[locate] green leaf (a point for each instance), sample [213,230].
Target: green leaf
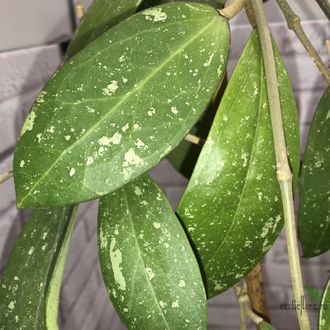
[120,105]
[263,325]
[232,205]
[148,266]
[314,211]
[324,316]
[100,16]
[185,155]
[30,288]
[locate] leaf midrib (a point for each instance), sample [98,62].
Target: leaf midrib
[248,170]
[92,129]
[142,260]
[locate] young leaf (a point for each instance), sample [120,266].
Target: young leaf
[232,205]
[101,16]
[148,266]
[314,211]
[263,325]
[30,288]
[324,316]
[120,105]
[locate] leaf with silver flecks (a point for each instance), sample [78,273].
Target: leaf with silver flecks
[324,316]
[150,3]
[100,16]
[314,210]
[148,266]
[120,105]
[30,287]
[232,206]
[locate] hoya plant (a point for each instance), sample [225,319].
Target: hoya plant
[143,80]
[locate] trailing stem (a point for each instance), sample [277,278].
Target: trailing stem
[293,21]
[284,174]
[325,6]
[5,176]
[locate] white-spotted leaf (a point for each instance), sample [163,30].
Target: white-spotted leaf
[30,287]
[148,266]
[120,105]
[232,205]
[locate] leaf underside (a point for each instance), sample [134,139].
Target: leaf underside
[232,205]
[148,266]
[314,209]
[35,262]
[120,105]
[324,316]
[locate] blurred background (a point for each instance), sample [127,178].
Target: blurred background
[33,35]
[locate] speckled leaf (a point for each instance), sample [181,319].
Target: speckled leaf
[30,288]
[324,316]
[100,16]
[120,105]
[314,211]
[148,266]
[232,205]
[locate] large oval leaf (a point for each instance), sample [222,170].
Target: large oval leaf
[232,205]
[151,3]
[148,266]
[324,317]
[100,16]
[314,210]
[30,288]
[120,105]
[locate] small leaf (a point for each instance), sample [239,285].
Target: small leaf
[100,16]
[120,105]
[148,266]
[263,325]
[314,211]
[324,316]
[30,288]
[232,205]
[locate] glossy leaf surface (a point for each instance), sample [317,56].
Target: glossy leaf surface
[324,316]
[314,211]
[120,105]
[148,266]
[100,16]
[30,287]
[232,205]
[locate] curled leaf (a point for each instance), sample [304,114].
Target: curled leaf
[30,287]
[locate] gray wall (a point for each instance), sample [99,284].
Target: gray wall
[29,54]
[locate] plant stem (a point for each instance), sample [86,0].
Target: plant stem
[293,21]
[5,176]
[325,6]
[194,139]
[80,10]
[284,174]
[242,297]
[256,292]
[233,9]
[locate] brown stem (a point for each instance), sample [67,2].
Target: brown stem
[5,176]
[256,292]
[293,21]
